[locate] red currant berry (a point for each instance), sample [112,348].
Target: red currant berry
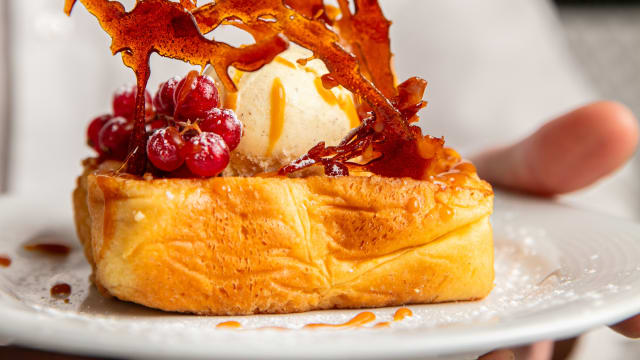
[163,101]
[224,123]
[155,124]
[164,149]
[194,96]
[206,154]
[124,102]
[93,131]
[114,137]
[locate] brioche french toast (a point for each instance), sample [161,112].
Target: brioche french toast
[382,216]
[244,245]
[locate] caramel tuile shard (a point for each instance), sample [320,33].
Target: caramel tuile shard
[354,47]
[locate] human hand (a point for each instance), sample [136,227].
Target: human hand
[566,154]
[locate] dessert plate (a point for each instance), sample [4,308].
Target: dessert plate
[559,271]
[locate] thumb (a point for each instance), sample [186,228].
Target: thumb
[566,154]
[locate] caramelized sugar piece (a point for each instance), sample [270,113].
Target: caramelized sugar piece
[175,30]
[366,34]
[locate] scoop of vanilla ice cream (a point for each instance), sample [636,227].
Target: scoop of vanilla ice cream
[285,111]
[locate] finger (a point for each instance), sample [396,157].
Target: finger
[503,354]
[563,349]
[542,350]
[568,153]
[629,327]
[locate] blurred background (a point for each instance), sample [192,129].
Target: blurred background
[497,70]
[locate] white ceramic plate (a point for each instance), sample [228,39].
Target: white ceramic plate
[559,272]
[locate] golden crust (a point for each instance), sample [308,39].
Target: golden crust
[231,246]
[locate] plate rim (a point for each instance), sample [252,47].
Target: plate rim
[79,340]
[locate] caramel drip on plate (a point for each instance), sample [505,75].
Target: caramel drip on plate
[51,249]
[231,97]
[278,328]
[278,103]
[359,320]
[401,314]
[60,291]
[229,325]
[5,261]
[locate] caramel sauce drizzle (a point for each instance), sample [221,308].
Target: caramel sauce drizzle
[355,48]
[345,102]
[229,325]
[231,97]
[60,291]
[47,248]
[5,261]
[279,328]
[285,62]
[347,105]
[402,313]
[399,315]
[311,70]
[327,95]
[278,104]
[357,321]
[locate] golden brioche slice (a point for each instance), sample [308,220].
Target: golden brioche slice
[231,246]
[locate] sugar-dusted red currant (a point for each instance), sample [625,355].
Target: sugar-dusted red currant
[164,149]
[93,131]
[163,100]
[124,102]
[155,124]
[114,137]
[194,96]
[225,123]
[206,154]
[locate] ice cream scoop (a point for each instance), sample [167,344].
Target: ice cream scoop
[285,111]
